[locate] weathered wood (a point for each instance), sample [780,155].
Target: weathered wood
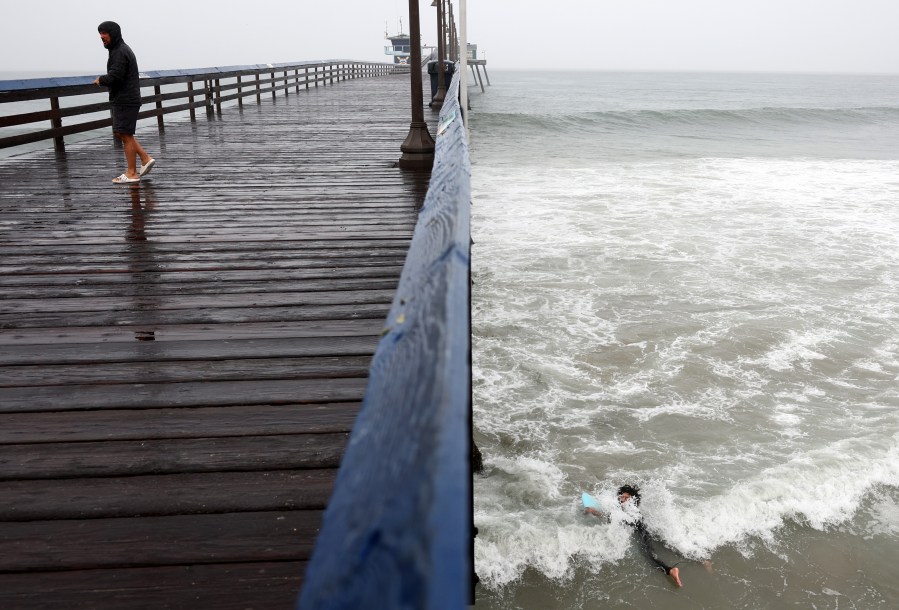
[156,541]
[379,294]
[253,283]
[202,422]
[102,353]
[358,327]
[333,367]
[181,362]
[181,394]
[170,456]
[233,586]
[142,316]
[173,494]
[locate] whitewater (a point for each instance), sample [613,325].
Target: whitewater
[687,282]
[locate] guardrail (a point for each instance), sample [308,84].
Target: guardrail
[214,91]
[397,532]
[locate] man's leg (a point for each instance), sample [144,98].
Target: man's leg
[646,545]
[133,150]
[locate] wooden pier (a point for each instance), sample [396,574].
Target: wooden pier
[181,361]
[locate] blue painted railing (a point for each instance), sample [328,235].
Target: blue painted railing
[397,530]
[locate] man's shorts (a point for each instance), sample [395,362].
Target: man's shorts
[124,119]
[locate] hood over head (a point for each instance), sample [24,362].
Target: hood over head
[113,29]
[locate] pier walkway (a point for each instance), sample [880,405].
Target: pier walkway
[181,361]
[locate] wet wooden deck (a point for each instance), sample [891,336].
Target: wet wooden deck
[181,362]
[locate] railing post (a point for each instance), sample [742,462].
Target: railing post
[306,69]
[440,96]
[190,90]
[207,85]
[239,91]
[273,83]
[331,68]
[56,123]
[296,79]
[258,90]
[218,97]
[157,90]
[286,87]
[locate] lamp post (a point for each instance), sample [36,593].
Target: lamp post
[418,147]
[437,101]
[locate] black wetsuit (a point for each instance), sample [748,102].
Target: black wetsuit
[646,545]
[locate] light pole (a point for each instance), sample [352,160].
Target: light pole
[418,147]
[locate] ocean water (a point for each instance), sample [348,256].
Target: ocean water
[688,282]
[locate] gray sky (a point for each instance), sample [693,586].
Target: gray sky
[720,35]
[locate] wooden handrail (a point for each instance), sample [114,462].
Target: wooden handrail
[397,532]
[268,78]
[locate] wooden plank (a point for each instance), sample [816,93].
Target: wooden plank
[378,294]
[179,271]
[155,285]
[205,422]
[155,495]
[359,327]
[300,249]
[331,367]
[142,316]
[151,287]
[157,541]
[185,394]
[170,456]
[166,350]
[230,586]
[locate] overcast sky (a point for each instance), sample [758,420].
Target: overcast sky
[719,35]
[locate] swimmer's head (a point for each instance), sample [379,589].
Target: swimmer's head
[628,492]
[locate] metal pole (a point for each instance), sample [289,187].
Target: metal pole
[418,147]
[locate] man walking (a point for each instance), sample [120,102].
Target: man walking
[124,95]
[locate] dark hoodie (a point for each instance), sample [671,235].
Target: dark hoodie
[121,68]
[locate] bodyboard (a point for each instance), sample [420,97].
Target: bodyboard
[589,501]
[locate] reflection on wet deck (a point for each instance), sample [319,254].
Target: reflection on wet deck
[181,361]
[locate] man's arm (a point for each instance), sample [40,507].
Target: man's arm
[115,73]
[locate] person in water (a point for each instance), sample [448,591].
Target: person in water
[628,493]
